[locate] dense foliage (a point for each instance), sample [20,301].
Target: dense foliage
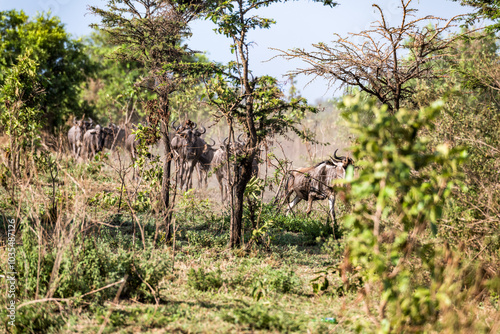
[62,64]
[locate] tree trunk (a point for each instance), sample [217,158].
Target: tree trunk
[241,181]
[165,185]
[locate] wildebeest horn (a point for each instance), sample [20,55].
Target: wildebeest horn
[336,157]
[239,138]
[224,142]
[204,130]
[173,125]
[213,142]
[194,125]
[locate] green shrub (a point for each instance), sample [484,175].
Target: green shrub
[88,264]
[403,184]
[28,266]
[334,248]
[206,239]
[94,263]
[205,281]
[270,280]
[311,228]
[283,281]
[35,319]
[258,316]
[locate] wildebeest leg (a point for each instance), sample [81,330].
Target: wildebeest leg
[204,178]
[200,177]
[191,170]
[183,169]
[132,160]
[178,176]
[78,147]
[291,205]
[309,204]
[189,174]
[221,185]
[331,201]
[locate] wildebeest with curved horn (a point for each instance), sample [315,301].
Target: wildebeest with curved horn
[75,135]
[315,183]
[187,147]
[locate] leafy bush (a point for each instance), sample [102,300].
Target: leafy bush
[206,239]
[334,248]
[35,319]
[403,183]
[205,281]
[283,281]
[91,263]
[258,316]
[310,228]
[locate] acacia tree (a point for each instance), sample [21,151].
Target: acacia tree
[151,33]
[255,105]
[386,60]
[484,9]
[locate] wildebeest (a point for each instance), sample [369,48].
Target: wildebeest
[205,163]
[117,137]
[219,164]
[187,147]
[131,144]
[75,135]
[315,183]
[93,141]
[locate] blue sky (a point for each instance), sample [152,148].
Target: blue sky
[299,24]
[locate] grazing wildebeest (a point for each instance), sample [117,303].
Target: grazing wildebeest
[315,183]
[75,135]
[117,137]
[93,141]
[219,164]
[187,147]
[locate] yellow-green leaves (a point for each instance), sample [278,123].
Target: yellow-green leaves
[400,188]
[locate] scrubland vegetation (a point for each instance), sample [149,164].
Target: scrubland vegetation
[416,246]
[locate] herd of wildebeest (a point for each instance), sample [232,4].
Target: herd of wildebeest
[191,151]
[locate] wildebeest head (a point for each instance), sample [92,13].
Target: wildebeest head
[116,136]
[188,140]
[88,124]
[346,161]
[100,134]
[187,125]
[236,147]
